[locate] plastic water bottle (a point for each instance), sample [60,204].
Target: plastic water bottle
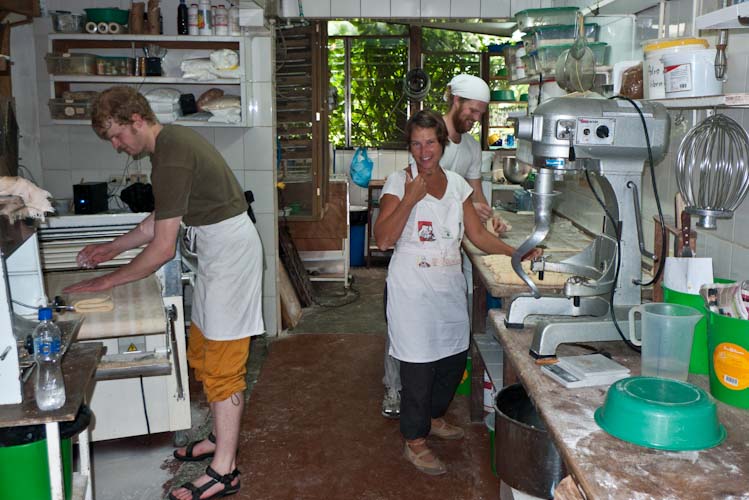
[182,14]
[50,386]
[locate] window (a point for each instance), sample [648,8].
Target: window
[367,62]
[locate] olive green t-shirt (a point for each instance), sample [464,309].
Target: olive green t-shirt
[191,179]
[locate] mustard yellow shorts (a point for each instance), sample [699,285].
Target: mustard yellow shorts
[221,365]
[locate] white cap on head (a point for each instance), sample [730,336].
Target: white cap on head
[469,87]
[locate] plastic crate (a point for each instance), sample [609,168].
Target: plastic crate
[556,35]
[71,64]
[546,57]
[532,18]
[68,109]
[115,66]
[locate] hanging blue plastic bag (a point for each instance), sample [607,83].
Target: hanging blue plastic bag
[361,168]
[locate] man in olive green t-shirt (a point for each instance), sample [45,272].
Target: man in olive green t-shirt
[191,183]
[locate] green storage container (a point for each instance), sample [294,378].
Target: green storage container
[464,388]
[25,473]
[728,345]
[698,362]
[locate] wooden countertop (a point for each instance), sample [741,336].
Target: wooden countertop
[606,467]
[78,367]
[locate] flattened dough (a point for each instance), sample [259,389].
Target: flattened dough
[94,304]
[490,224]
[501,268]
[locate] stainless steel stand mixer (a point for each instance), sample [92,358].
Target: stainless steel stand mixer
[605,137]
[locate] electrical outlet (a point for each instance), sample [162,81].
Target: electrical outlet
[119,180]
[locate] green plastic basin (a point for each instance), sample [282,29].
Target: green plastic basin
[661,413]
[108,15]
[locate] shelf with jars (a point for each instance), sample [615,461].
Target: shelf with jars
[80,65]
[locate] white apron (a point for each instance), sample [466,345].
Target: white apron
[427,308]
[227,300]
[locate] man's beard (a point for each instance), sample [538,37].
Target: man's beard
[460,125]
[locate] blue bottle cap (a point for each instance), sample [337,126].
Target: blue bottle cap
[45,314]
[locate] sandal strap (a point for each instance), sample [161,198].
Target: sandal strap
[226,479]
[194,490]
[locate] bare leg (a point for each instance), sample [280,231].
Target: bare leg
[227,415]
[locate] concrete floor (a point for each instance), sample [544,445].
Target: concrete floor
[142,468]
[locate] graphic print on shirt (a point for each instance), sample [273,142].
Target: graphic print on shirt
[426,231]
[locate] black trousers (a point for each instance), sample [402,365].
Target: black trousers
[428,389]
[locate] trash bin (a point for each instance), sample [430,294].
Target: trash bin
[357,234]
[23,453]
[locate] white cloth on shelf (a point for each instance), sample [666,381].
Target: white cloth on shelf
[35,199]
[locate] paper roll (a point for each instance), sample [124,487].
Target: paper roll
[91,27]
[102,28]
[114,28]
[136,18]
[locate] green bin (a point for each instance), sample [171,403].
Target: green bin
[464,388]
[23,455]
[698,362]
[30,461]
[728,344]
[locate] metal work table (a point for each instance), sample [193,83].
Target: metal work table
[605,467]
[78,367]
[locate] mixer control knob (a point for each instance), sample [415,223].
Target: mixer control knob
[602,131]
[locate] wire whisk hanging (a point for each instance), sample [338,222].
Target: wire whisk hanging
[712,169]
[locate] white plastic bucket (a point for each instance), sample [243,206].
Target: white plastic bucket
[691,74]
[518,68]
[653,68]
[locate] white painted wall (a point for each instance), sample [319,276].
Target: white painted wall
[59,156]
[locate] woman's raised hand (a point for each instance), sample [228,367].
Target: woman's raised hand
[416,189]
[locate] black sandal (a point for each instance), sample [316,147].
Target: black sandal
[216,478]
[189,457]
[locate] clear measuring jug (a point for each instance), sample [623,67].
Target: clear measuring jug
[666,332]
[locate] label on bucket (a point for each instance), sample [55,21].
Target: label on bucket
[678,78]
[731,364]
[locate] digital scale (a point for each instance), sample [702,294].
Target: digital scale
[585,371]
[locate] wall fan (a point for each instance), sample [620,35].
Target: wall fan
[416,84]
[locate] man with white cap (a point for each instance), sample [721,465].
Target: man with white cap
[467,97]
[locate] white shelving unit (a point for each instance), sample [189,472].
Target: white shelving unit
[178,48]
[733,16]
[708,102]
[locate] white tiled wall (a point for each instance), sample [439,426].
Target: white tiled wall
[59,156]
[384,163]
[728,245]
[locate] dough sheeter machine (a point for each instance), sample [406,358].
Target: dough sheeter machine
[142,382]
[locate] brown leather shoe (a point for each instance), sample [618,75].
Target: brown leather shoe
[443,430]
[433,468]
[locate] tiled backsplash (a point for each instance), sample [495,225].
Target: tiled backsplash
[384,163]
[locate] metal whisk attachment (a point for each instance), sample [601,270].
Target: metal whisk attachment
[712,169]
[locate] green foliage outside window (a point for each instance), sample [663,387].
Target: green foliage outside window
[378,55]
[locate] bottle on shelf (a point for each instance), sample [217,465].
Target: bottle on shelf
[50,386]
[182,18]
[192,20]
[221,21]
[213,19]
[204,17]
[234,29]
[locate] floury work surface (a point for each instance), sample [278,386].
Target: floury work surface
[312,428]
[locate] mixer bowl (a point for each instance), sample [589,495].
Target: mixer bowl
[515,171]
